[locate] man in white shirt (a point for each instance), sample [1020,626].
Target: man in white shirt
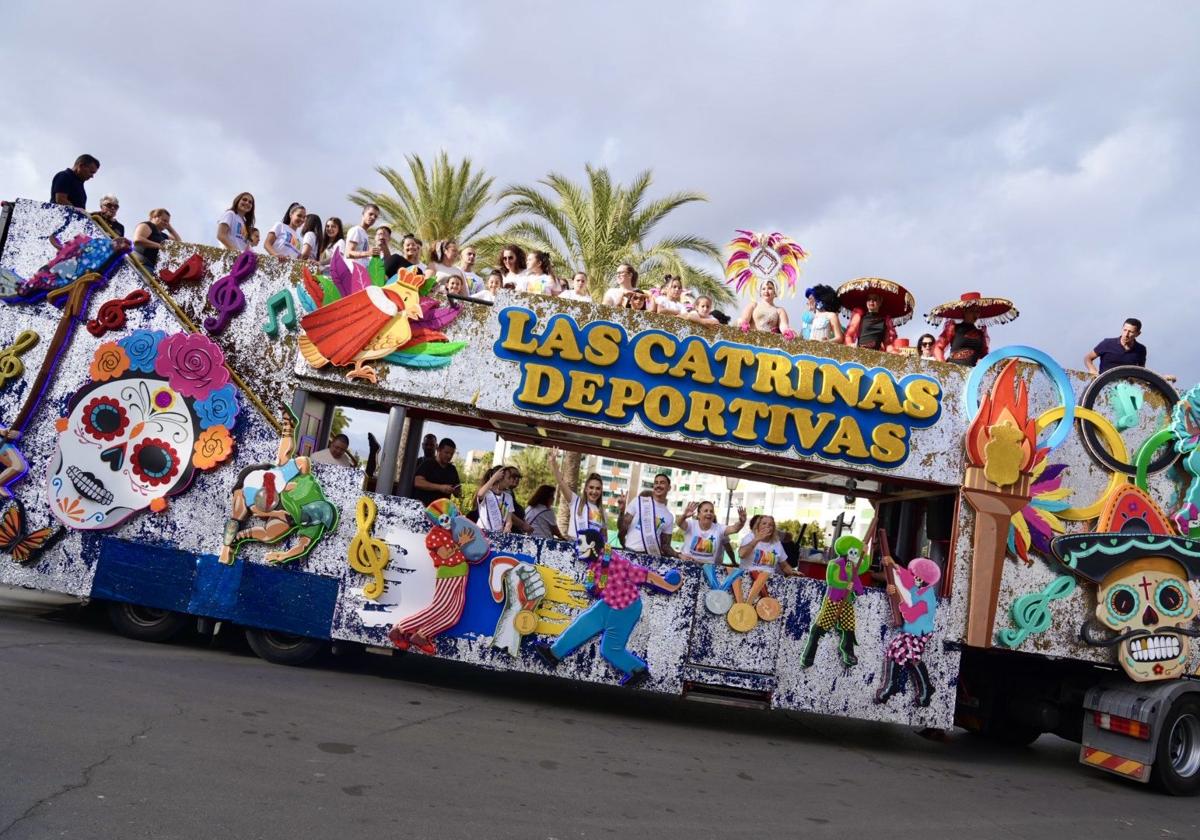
[467,264]
[336,454]
[649,524]
[359,247]
[627,278]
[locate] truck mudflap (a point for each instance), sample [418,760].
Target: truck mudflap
[1122,725]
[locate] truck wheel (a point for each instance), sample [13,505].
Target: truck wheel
[146,624]
[282,648]
[1177,758]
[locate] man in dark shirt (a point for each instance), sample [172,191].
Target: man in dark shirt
[1114,352]
[436,477]
[67,186]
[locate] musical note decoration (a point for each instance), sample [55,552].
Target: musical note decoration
[193,268]
[368,554]
[225,296]
[111,315]
[1031,613]
[280,307]
[11,365]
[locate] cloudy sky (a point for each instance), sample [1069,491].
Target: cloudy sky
[1044,152]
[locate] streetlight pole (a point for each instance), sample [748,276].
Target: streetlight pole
[731,483]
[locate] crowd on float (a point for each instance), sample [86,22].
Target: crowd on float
[874,307]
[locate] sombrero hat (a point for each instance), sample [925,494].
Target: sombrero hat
[989,310]
[897,302]
[1131,527]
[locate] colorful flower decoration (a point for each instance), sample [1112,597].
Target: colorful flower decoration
[1038,522]
[214,446]
[192,363]
[142,348]
[220,408]
[109,362]
[755,257]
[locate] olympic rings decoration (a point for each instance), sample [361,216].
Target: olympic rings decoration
[1092,393]
[1053,369]
[1115,442]
[1163,437]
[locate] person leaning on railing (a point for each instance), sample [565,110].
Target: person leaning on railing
[149,236]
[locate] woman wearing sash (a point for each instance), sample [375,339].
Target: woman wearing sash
[587,511]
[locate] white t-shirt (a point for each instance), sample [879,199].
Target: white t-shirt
[585,515]
[237,229]
[339,246]
[703,544]
[519,281]
[474,282]
[494,509]
[484,294]
[287,241]
[310,239]
[766,557]
[445,272]
[357,239]
[663,303]
[573,295]
[613,296]
[324,456]
[651,520]
[540,284]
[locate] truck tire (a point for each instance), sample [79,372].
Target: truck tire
[1177,756]
[282,648]
[146,624]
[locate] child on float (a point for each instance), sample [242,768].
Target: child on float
[495,501]
[702,313]
[703,537]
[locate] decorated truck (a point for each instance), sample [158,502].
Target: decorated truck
[1032,565]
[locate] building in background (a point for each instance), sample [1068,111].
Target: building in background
[628,478]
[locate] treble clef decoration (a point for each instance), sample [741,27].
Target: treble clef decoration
[11,365]
[111,315]
[225,296]
[368,554]
[1031,613]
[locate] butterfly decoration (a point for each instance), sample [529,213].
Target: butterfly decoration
[24,547]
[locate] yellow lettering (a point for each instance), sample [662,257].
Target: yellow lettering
[561,339]
[777,430]
[694,362]
[748,412]
[845,382]
[603,345]
[515,333]
[888,443]
[733,358]
[882,395]
[848,438]
[921,398]
[806,375]
[643,352]
[772,375]
[807,430]
[706,414]
[535,376]
[675,409]
[625,392]
[582,396]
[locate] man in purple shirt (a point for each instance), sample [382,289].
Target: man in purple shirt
[1114,352]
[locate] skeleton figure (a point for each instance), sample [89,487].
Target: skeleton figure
[1142,571]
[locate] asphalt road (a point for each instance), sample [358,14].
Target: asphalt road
[102,737]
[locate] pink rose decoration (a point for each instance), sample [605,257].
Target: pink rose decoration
[192,363]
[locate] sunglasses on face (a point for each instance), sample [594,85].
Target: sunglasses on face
[926,343]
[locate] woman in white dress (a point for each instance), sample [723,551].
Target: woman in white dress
[669,301]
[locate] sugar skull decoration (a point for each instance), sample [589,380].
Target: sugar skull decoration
[158,408]
[1142,571]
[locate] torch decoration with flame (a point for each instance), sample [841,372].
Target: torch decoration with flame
[1002,453]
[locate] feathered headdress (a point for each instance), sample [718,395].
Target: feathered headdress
[755,257]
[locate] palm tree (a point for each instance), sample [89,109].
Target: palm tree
[439,204]
[594,227]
